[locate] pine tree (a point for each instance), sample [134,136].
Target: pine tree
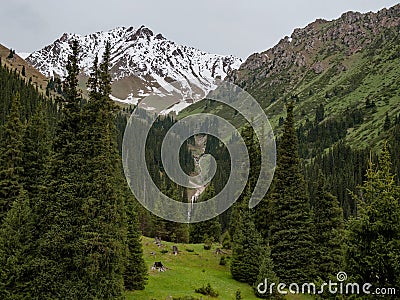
[210,228]
[135,275]
[319,113]
[373,239]
[386,124]
[16,250]
[36,153]
[105,228]
[247,249]
[226,240]
[11,157]
[266,272]
[11,54]
[115,223]
[60,210]
[329,232]
[177,232]
[253,149]
[291,237]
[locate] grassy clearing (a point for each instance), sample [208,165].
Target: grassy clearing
[188,271]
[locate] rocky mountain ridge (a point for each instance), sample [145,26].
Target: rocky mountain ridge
[141,62]
[310,46]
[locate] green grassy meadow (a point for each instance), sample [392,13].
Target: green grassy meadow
[188,271]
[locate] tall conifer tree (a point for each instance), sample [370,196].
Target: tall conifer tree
[373,240]
[60,211]
[329,232]
[16,250]
[135,275]
[210,228]
[247,249]
[36,153]
[266,272]
[115,253]
[11,157]
[291,236]
[243,201]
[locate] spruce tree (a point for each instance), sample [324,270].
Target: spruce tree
[11,157]
[11,54]
[247,249]
[319,113]
[266,272]
[387,123]
[135,275]
[329,232]
[373,239]
[16,250]
[210,228]
[104,229]
[291,238]
[242,202]
[60,210]
[116,255]
[36,153]
[177,232]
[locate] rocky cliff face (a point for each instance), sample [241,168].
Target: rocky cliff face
[313,46]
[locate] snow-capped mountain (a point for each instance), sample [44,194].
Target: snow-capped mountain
[141,62]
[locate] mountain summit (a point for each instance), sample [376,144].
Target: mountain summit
[141,62]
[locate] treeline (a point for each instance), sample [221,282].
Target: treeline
[68,223]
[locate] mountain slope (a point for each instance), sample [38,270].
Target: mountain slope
[141,62]
[17,63]
[349,65]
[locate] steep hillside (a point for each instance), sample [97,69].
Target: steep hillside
[17,63]
[349,65]
[141,62]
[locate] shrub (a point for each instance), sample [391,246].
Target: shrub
[208,241]
[163,251]
[238,295]
[190,250]
[226,241]
[207,247]
[222,261]
[207,290]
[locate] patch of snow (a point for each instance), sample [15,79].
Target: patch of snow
[129,100]
[176,108]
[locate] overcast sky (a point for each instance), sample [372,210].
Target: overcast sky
[218,26]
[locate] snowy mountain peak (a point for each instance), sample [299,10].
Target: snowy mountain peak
[141,61]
